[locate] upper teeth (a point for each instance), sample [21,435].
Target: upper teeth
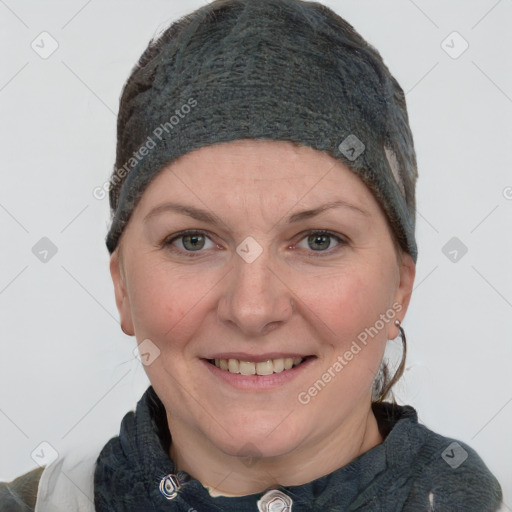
[263,368]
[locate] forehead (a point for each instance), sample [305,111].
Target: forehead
[277,169]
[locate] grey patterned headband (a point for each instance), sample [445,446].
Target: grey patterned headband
[266,69]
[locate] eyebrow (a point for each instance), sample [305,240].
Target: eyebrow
[205,216]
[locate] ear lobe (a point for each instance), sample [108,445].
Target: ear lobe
[121,296]
[404,290]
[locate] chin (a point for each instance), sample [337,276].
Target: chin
[259,440]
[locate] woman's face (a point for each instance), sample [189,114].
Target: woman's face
[287,259]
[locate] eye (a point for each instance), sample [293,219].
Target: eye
[190,241]
[321,240]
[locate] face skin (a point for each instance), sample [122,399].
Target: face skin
[303,295]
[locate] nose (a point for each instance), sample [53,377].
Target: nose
[256,298]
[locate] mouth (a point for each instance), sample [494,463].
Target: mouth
[269,366]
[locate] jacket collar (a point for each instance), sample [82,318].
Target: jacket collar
[132,467]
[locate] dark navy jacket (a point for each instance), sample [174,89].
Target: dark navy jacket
[412,470]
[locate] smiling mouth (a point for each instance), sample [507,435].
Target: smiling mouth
[258,368]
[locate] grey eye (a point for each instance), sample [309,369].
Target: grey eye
[320,242]
[193,242]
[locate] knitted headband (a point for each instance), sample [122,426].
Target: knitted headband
[265,69]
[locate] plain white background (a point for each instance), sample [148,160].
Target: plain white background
[67,372]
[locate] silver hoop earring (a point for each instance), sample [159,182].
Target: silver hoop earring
[401,330]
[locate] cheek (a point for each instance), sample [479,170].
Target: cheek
[167,303]
[348,302]
[153,301]
[353,314]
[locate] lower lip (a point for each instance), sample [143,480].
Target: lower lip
[258,382]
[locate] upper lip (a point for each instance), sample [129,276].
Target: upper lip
[256,358]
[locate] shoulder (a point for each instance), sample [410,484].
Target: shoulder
[450,475]
[20,494]
[431,471]
[64,485]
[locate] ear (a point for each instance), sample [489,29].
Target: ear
[403,293]
[122,300]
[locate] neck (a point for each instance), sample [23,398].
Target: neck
[195,454]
